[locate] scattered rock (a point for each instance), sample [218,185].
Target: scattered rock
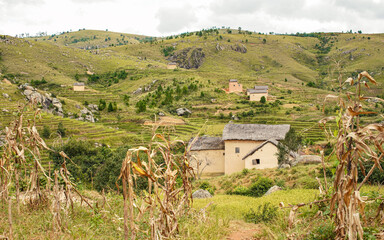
[138,91]
[161,114]
[5,95]
[272,190]
[238,48]
[5,110]
[201,194]
[285,166]
[93,107]
[48,103]
[86,115]
[183,111]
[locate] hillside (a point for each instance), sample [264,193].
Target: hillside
[299,70]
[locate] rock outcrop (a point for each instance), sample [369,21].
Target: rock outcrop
[201,194]
[239,48]
[188,58]
[48,103]
[306,159]
[183,111]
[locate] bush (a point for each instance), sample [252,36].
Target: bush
[61,130]
[206,186]
[241,190]
[245,171]
[264,213]
[46,132]
[377,176]
[260,187]
[307,183]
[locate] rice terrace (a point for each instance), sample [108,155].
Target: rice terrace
[178,130]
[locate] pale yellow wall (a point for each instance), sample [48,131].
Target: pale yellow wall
[235,87]
[214,158]
[78,88]
[267,156]
[233,160]
[171,66]
[257,96]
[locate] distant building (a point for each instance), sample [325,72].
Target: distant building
[257,92]
[172,65]
[242,146]
[78,87]
[234,86]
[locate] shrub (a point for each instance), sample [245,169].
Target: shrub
[240,190]
[206,186]
[245,171]
[61,130]
[377,176]
[263,100]
[264,213]
[46,132]
[307,183]
[260,187]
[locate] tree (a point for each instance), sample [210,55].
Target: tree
[291,143]
[46,132]
[263,100]
[110,107]
[61,130]
[264,41]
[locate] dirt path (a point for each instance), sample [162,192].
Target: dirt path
[240,230]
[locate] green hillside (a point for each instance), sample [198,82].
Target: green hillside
[299,70]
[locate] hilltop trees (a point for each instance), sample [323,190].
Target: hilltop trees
[291,143]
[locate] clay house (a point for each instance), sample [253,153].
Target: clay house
[172,65]
[208,155]
[78,87]
[257,92]
[234,86]
[244,146]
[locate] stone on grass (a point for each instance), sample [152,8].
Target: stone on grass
[201,193]
[272,189]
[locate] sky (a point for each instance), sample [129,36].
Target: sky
[168,17]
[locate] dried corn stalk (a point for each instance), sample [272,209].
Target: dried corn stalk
[165,200]
[355,144]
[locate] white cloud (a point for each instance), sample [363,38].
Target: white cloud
[174,19]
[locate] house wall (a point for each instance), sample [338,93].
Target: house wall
[267,156]
[78,88]
[171,66]
[233,160]
[214,158]
[235,87]
[257,96]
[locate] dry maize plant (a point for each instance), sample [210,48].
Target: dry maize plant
[169,194]
[355,144]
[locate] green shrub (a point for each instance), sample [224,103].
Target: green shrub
[260,187]
[245,171]
[206,186]
[307,183]
[264,213]
[377,176]
[46,132]
[240,190]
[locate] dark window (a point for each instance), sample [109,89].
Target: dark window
[237,150]
[255,161]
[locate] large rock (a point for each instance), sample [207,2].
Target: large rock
[5,95]
[272,190]
[183,111]
[48,103]
[188,58]
[307,159]
[201,193]
[285,166]
[86,115]
[238,48]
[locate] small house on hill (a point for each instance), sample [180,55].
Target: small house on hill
[78,87]
[208,155]
[234,86]
[256,93]
[242,146]
[172,65]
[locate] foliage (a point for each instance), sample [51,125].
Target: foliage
[102,104]
[168,50]
[291,143]
[108,78]
[141,106]
[35,83]
[263,100]
[61,130]
[260,187]
[240,190]
[377,176]
[112,107]
[264,213]
[322,232]
[46,133]
[206,186]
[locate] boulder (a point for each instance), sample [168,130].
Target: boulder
[161,114]
[138,91]
[285,166]
[183,111]
[238,48]
[272,190]
[201,193]
[5,95]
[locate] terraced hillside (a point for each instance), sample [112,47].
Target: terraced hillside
[299,70]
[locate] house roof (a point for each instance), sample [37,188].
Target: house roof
[254,132]
[78,84]
[207,143]
[273,141]
[257,90]
[261,88]
[233,80]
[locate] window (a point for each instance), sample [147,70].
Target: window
[255,161]
[237,150]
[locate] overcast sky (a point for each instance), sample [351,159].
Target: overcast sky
[166,17]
